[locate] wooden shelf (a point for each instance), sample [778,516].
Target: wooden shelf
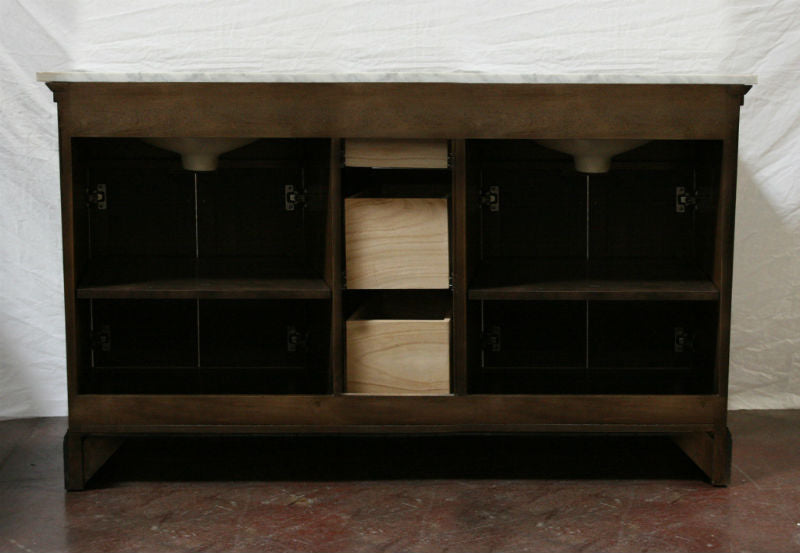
[591,380]
[219,278]
[605,279]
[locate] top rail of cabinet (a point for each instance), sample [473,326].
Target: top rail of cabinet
[398,106]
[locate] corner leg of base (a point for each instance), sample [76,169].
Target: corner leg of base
[723,452]
[73,462]
[84,456]
[711,451]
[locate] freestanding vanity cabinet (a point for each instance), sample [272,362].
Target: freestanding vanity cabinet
[415,256]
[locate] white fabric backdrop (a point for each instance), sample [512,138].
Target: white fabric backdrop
[550,36]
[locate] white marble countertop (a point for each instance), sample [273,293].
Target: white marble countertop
[454,77]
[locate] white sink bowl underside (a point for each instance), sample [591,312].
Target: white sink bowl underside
[592,155]
[199,154]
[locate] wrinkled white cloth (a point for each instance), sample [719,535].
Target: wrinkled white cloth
[413,36]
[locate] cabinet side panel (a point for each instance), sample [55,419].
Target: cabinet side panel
[723,247]
[75,244]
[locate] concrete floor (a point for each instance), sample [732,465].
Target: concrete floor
[401,494]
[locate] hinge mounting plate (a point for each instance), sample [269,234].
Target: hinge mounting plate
[684,341]
[295,339]
[96,196]
[101,339]
[491,339]
[684,199]
[293,198]
[491,198]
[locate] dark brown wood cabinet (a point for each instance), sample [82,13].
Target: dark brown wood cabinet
[217,302]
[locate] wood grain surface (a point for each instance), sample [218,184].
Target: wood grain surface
[398,243]
[398,357]
[413,154]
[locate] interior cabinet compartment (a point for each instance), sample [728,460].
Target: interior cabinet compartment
[141,346]
[144,333]
[397,242]
[652,347]
[208,347]
[267,203]
[603,347]
[266,346]
[137,212]
[396,153]
[644,230]
[399,344]
[528,347]
[255,227]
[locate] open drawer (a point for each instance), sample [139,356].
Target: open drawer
[396,153]
[399,243]
[397,347]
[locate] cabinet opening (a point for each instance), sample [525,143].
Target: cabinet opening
[367,182]
[396,238]
[255,227]
[528,347]
[652,347]
[643,230]
[398,304]
[398,343]
[603,347]
[207,347]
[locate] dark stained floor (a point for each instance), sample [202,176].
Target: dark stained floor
[579,493]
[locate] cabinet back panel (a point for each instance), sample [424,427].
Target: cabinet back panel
[146,333]
[632,214]
[254,333]
[396,183]
[542,213]
[643,334]
[150,212]
[241,213]
[535,334]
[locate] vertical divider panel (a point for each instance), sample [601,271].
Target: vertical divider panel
[460,266]
[334,254]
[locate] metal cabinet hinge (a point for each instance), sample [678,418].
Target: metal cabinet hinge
[491,198]
[293,198]
[685,198]
[295,339]
[96,196]
[101,339]
[697,199]
[491,339]
[684,341]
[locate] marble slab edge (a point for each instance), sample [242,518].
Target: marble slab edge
[463,77]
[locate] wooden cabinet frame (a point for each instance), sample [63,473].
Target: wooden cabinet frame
[456,112]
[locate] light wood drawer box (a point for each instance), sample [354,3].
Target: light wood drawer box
[396,243]
[395,153]
[397,356]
